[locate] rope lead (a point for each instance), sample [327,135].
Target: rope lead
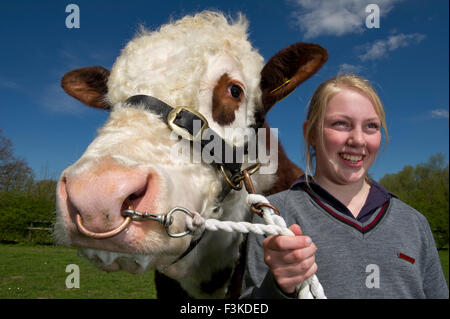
[275,225]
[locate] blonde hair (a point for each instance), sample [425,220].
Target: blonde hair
[318,104]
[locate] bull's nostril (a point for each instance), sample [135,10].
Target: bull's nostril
[134,199]
[138,194]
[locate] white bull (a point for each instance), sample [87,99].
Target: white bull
[201,61]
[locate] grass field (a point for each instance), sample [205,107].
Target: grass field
[40,272]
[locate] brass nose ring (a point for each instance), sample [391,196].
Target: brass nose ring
[82,229]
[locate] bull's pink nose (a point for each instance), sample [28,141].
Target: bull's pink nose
[101,194]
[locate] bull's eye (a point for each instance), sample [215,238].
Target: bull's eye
[235,91]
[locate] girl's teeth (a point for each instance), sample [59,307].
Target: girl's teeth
[352,158]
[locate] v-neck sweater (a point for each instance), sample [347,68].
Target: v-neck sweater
[390,255]
[378,196]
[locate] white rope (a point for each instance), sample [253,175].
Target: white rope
[275,225]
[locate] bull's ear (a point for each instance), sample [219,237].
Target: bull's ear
[89,85]
[287,69]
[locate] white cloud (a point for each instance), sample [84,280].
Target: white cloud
[350,68]
[439,114]
[381,48]
[335,17]
[8,84]
[54,99]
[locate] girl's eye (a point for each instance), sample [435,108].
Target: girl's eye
[373,126]
[235,91]
[340,123]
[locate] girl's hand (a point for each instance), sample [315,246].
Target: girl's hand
[290,258]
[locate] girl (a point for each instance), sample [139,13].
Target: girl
[360,240]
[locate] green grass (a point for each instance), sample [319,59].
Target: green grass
[40,272]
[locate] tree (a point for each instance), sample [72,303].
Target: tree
[44,189]
[426,188]
[15,174]
[23,201]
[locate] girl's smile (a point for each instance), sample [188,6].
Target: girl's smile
[352,160]
[351,138]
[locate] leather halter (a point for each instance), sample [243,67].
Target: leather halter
[181,120]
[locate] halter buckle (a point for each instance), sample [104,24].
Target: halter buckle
[183,132]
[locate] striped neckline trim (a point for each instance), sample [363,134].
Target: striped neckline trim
[361,227]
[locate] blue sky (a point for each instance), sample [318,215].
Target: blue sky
[406,59]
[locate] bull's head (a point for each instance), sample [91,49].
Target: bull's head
[202,62]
